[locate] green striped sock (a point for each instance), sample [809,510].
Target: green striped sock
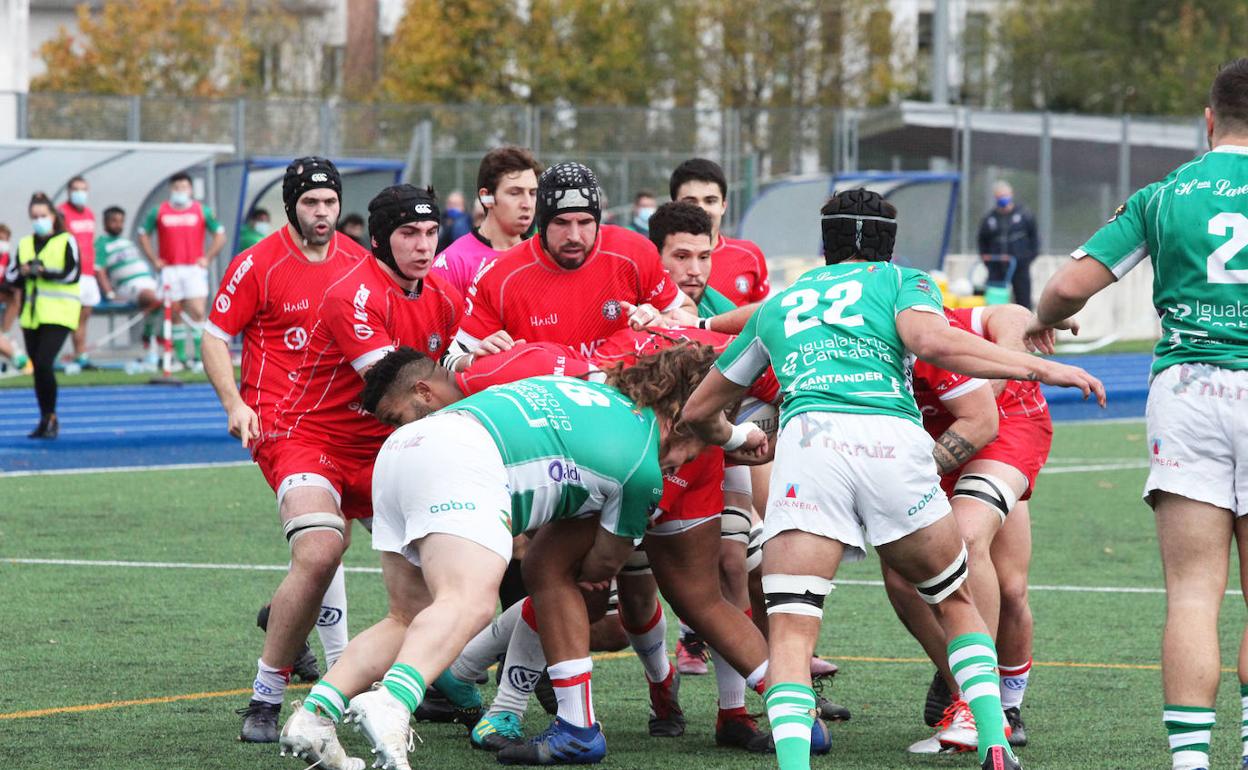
[973,659]
[1189,728]
[791,711]
[326,700]
[406,684]
[1243,724]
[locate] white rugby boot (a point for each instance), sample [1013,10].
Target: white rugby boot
[314,739]
[386,723]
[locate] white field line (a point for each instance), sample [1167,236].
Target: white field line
[377,570]
[1119,466]
[125,469]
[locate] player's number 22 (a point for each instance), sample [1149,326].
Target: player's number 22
[840,297]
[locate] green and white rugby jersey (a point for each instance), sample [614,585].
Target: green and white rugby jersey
[713,303]
[121,259]
[1193,225]
[832,339]
[571,448]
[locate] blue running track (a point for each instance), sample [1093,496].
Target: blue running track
[145,425]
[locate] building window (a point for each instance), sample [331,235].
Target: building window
[332,64]
[925,31]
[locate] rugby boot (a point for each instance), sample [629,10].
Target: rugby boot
[691,654]
[314,739]
[735,729]
[305,666]
[436,707]
[1018,730]
[496,731]
[667,720]
[820,668]
[384,722]
[833,712]
[545,693]
[560,744]
[960,734]
[999,758]
[938,699]
[259,722]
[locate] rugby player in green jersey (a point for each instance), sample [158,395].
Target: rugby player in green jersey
[577,463]
[1193,227]
[852,455]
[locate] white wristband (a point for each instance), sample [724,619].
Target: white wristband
[739,434]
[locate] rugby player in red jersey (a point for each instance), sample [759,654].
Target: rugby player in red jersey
[269,295]
[986,477]
[576,281]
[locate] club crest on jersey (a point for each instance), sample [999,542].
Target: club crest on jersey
[742,283]
[611,310]
[222,304]
[435,342]
[296,338]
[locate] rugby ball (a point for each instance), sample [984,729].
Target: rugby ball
[766,416]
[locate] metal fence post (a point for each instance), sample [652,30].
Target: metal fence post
[23,115]
[536,131]
[240,128]
[1124,161]
[1046,180]
[964,236]
[133,129]
[325,130]
[426,153]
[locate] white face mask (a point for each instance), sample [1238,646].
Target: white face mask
[180,199]
[4,247]
[42,225]
[264,228]
[78,198]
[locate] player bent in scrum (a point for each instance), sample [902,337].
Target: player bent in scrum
[851,455]
[988,481]
[449,493]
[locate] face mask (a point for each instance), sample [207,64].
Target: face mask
[642,217]
[264,228]
[42,225]
[78,198]
[4,247]
[180,199]
[1003,201]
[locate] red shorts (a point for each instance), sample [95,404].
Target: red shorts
[695,490]
[1022,442]
[349,474]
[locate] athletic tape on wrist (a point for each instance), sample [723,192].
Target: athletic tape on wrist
[739,434]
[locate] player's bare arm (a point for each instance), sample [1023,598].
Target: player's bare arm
[1065,294]
[604,559]
[1006,325]
[733,321]
[704,414]
[145,243]
[214,248]
[931,338]
[242,421]
[975,424]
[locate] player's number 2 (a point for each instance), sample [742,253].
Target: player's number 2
[840,296]
[1237,224]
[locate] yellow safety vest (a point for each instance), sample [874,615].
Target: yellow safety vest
[44,301]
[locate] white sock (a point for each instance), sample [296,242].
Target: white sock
[484,648]
[571,679]
[270,683]
[650,644]
[731,684]
[525,662]
[755,680]
[331,624]
[1014,684]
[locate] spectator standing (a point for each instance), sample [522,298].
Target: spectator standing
[1008,232]
[79,220]
[455,221]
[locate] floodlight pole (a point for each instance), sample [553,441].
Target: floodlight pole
[940,53]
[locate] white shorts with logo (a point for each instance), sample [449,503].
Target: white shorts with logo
[838,475]
[185,281]
[89,291]
[1197,419]
[132,289]
[442,474]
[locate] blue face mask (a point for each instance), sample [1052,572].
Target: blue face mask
[1004,201]
[78,198]
[42,225]
[642,217]
[180,199]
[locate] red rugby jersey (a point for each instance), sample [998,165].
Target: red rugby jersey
[81,225]
[525,292]
[739,271]
[269,294]
[363,316]
[528,359]
[1019,397]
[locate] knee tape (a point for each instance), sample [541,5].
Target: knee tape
[990,490]
[734,524]
[939,588]
[796,594]
[737,479]
[302,524]
[754,549]
[638,563]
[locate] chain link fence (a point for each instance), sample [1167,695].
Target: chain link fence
[1072,171]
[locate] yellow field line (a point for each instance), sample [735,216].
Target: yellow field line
[602,656]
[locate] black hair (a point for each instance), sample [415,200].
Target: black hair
[642,194]
[181,176]
[1228,97]
[111,210]
[504,160]
[257,212]
[858,223]
[677,217]
[698,170]
[75,178]
[58,224]
[400,366]
[351,219]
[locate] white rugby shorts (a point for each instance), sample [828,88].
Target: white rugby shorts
[442,474]
[185,281]
[89,291]
[130,290]
[1197,419]
[854,478]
